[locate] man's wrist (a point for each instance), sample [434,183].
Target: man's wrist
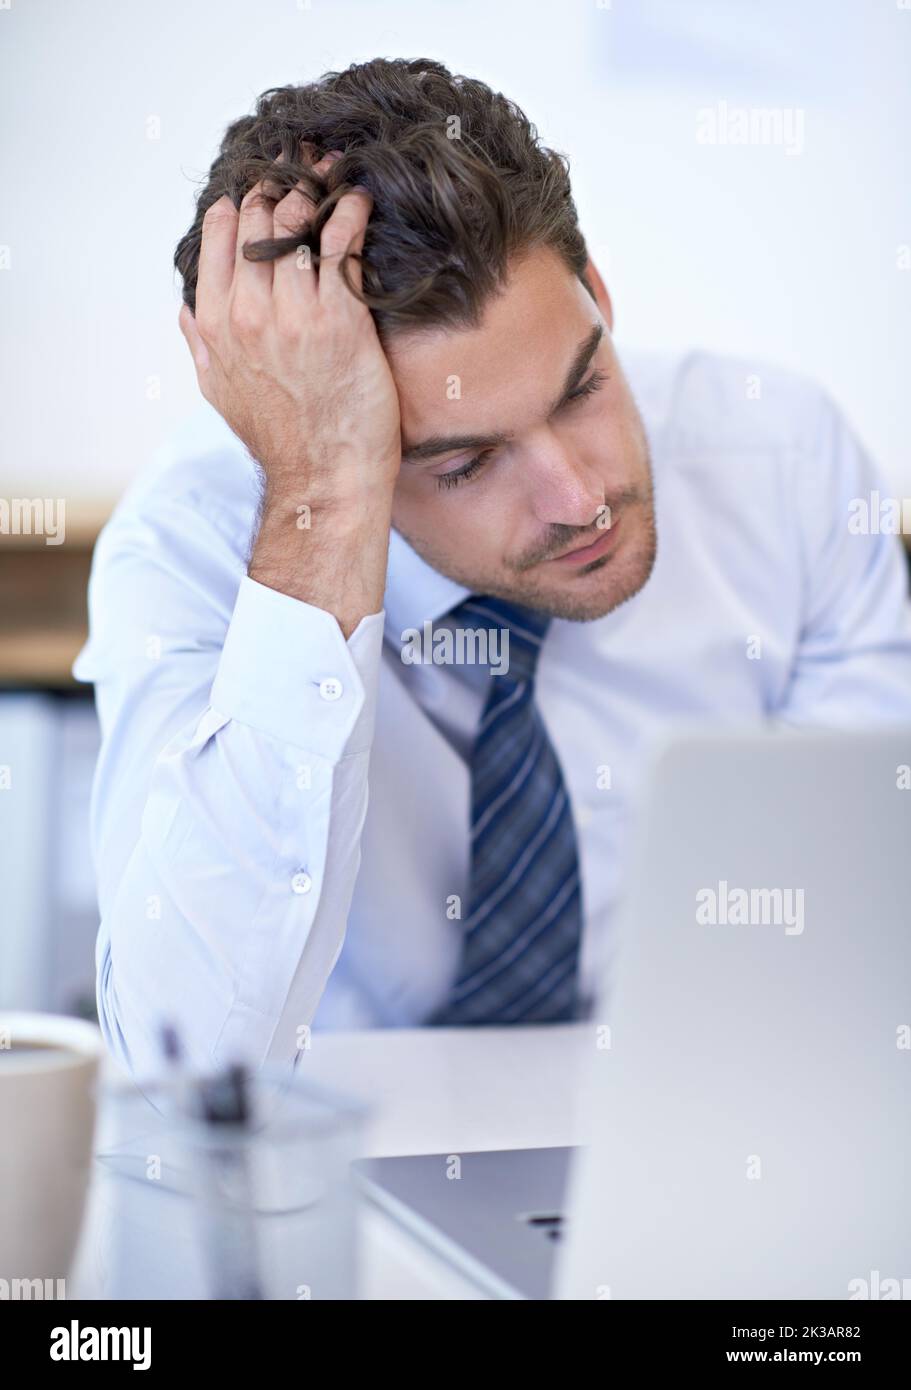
[331,553]
[299,509]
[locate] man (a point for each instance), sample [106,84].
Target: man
[412,551]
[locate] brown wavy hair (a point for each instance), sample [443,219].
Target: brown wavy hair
[460,183]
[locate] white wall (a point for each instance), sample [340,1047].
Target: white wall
[754,250]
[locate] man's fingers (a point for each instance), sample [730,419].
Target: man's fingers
[216,264]
[344,231]
[294,277]
[251,294]
[244,294]
[307,154]
[198,350]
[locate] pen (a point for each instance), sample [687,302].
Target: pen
[226,1188]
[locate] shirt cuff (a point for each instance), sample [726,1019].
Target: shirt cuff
[287,670]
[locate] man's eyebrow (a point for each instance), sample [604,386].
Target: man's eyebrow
[437,444]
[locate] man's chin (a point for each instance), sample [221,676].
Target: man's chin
[583,596]
[576,595]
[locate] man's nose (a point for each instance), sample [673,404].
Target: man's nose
[566,490]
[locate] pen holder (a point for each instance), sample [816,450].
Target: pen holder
[195,1210]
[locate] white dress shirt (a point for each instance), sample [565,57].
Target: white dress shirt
[249,886]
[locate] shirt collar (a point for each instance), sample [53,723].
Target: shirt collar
[415,592]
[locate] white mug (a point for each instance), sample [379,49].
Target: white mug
[47,1122]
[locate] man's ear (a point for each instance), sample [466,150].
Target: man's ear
[599,289]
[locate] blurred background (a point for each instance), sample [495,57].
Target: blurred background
[794,247]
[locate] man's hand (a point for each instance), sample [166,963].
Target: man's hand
[292,361]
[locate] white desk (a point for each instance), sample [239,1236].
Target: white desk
[432,1090]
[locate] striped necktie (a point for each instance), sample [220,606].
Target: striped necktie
[522,932]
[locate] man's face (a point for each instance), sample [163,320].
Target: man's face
[558,513]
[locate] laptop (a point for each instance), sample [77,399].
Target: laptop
[747,1098]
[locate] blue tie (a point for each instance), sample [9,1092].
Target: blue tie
[522,932]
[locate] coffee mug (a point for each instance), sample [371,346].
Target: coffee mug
[48,1074]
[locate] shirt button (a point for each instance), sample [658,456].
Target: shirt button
[301,882]
[331,689]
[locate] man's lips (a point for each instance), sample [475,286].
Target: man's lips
[584,554]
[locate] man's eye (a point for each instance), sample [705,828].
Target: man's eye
[473,466]
[588,388]
[468,470]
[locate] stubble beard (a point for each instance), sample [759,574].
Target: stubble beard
[571,596]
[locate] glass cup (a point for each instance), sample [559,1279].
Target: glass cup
[190,1209]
